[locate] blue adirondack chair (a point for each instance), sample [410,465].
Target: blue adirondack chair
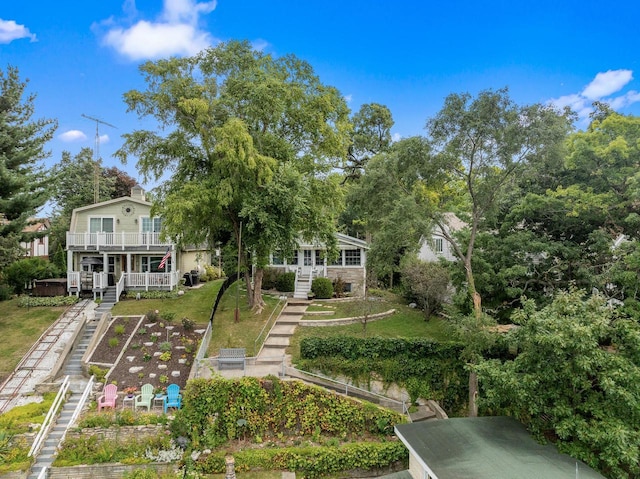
[173,397]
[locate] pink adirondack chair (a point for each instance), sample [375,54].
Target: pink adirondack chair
[109,396]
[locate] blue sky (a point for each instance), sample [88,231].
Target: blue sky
[81,57]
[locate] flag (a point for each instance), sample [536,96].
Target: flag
[164,259]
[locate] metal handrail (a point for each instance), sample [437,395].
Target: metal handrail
[48,420]
[83,399]
[255,343]
[43,472]
[405,407]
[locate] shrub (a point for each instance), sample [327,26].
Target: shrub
[286,282]
[33,301]
[167,316]
[165,346]
[188,324]
[119,329]
[269,278]
[322,288]
[5,292]
[339,287]
[113,342]
[166,356]
[98,372]
[153,316]
[22,272]
[213,272]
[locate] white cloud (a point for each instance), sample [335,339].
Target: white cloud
[176,31]
[606,83]
[10,31]
[348,98]
[260,45]
[600,88]
[396,137]
[72,135]
[104,138]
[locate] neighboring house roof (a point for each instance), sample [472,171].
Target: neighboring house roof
[487,448]
[342,239]
[36,225]
[453,222]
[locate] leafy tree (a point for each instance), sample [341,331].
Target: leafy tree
[122,181]
[251,142]
[485,142]
[371,135]
[576,380]
[20,273]
[425,283]
[22,140]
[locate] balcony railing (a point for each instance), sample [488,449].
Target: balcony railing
[136,281]
[114,240]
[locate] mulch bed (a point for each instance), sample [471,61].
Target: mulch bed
[141,364]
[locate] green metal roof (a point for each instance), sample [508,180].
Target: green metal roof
[487,448]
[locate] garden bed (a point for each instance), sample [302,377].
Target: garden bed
[151,350]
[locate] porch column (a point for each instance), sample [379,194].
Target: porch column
[69,261]
[128,262]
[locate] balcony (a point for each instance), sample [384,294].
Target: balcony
[121,241]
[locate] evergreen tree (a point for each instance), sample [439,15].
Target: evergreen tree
[22,182]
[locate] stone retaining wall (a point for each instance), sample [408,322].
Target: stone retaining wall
[345,321]
[113,433]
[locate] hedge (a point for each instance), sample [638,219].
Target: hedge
[310,462]
[322,288]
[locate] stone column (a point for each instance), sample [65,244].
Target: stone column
[230,462]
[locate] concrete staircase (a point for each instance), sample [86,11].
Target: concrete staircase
[77,384]
[303,286]
[108,301]
[274,347]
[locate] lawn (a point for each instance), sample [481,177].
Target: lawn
[19,329]
[405,323]
[227,333]
[195,304]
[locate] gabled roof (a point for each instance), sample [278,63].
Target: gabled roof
[343,239]
[487,448]
[122,199]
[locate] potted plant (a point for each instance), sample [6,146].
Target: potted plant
[160,391]
[130,391]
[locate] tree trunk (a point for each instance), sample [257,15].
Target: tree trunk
[473,394]
[257,301]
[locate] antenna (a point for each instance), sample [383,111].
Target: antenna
[96,156]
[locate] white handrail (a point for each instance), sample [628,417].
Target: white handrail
[83,399]
[48,420]
[43,473]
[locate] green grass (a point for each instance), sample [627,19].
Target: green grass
[19,329]
[195,304]
[227,333]
[347,309]
[405,323]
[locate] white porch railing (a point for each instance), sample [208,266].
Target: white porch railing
[152,280]
[73,281]
[100,280]
[122,239]
[119,287]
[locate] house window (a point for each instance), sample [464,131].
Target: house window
[151,225]
[320,257]
[277,259]
[100,225]
[150,264]
[294,260]
[438,244]
[338,260]
[352,257]
[308,258]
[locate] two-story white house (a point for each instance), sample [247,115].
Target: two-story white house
[310,262]
[116,244]
[436,246]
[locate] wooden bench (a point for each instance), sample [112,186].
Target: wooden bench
[231,357]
